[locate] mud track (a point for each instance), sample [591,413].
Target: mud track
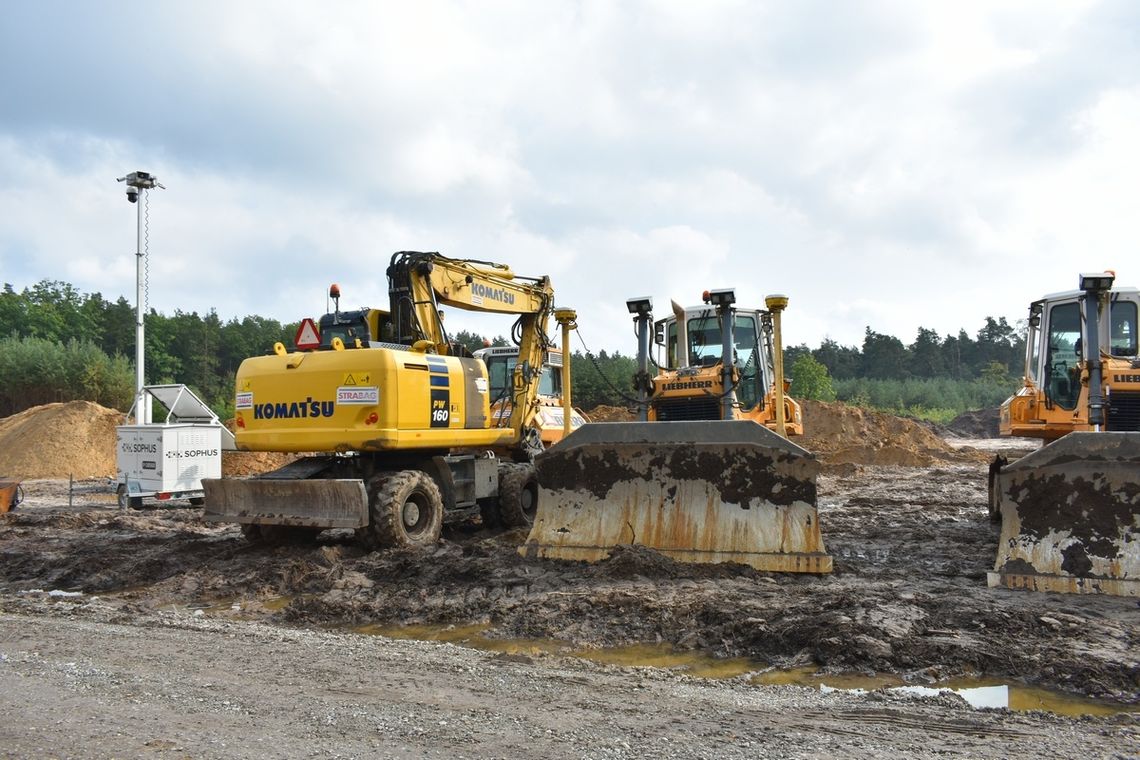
[908,595]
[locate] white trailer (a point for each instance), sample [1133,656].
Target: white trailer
[167,460]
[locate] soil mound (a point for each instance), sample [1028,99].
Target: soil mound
[981,423]
[76,438]
[841,434]
[603,413]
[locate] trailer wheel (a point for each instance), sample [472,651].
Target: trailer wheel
[127,502]
[405,510]
[518,495]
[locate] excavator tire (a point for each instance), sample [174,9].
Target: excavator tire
[405,511]
[1070,517]
[518,495]
[705,491]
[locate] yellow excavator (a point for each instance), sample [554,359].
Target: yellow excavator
[707,474]
[1070,511]
[394,417]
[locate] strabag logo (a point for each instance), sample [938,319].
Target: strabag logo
[355,394]
[244,401]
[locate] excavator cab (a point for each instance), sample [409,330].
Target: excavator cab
[1070,511]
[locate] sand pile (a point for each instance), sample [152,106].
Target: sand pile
[76,438]
[841,434]
[605,413]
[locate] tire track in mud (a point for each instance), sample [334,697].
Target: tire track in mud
[908,594]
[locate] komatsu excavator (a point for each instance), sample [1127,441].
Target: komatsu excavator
[708,474]
[394,418]
[1070,511]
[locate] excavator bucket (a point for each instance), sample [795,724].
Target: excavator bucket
[1070,517]
[706,491]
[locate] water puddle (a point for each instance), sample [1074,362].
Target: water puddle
[979,693]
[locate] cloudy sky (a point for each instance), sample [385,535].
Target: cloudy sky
[884,164]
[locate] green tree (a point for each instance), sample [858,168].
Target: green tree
[884,356]
[926,358]
[841,361]
[810,380]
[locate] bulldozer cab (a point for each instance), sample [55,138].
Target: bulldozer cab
[501,362]
[751,352]
[1056,353]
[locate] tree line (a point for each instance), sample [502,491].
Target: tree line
[58,344]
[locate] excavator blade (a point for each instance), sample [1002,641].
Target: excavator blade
[707,491]
[1070,517]
[314,503]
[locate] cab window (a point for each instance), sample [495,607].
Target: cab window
[1122,329]
[1062,370]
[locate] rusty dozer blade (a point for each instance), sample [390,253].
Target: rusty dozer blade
[707,491]
[1070,517]
[315,503]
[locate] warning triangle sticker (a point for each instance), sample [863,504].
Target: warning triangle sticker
[348,380]
[307,336]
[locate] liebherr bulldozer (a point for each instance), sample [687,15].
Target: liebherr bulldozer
[397,414]
[707,474]
[1070,511]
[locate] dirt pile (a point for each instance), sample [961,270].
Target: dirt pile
[76,438]
[605,413]
[841,434]
[980,423]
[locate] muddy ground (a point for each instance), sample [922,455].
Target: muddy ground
[908,596]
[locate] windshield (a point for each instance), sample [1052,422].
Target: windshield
[501,369]
[705,350]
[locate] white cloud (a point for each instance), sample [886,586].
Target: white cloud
[888,165]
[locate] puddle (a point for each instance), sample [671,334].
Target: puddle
[466,635]
[640,655]
[977,692]
[666,657]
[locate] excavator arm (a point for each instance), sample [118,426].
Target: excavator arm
[419,283]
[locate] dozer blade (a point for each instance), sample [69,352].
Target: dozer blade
[1070,517]
[710,491]
[315,503]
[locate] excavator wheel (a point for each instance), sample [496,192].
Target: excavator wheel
[518,495]
[405,510]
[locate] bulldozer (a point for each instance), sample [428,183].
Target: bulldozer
[550,419]
[1070,510]
[707,474]
[392,418]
